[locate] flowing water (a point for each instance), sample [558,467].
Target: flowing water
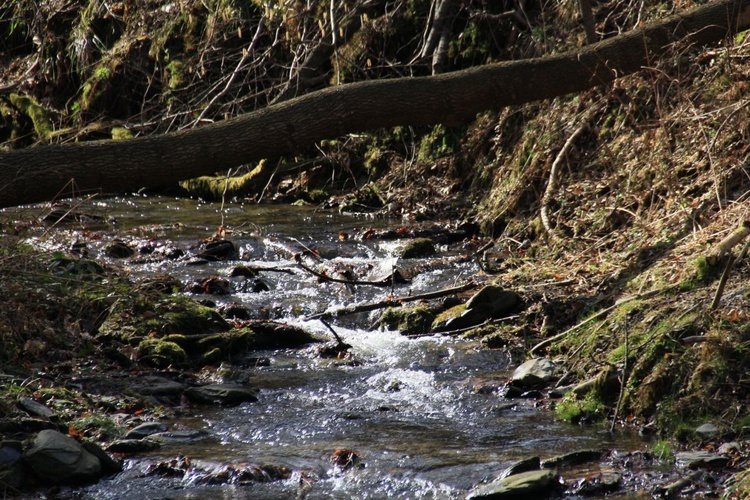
[407,406]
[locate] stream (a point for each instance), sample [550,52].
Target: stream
[408,407]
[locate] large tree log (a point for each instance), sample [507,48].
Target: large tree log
[39,173]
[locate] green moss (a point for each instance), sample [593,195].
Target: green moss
[663,450]
[161,353]
[37,114]
[413,320]
[448,315]
[121,133]
[97,426]
[438,143]
[175,74]
[574,410]
[214,188]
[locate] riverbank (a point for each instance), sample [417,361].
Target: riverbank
[129,351]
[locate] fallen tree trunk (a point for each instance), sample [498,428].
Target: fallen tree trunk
[40,173]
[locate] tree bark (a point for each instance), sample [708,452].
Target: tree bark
[39,173]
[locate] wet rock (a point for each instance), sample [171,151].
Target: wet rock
[132,446]
[243,271]
[533,484]
[212,286]
[236,311]
[59,459]
[533,373]
[218,250]
[701,460]
[221,394]
[731,448]
[35,408]
[707,431]
[525,465]
[418,248]
[491,302]
[145,430]
[573,458]
[118,249]
[158,386]
[162,284]
[187,436]
[598,485]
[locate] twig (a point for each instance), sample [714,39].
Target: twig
[552,183]
[544,343]
[623,381]
[392,302]
[245,54]
[385,282]
[725,245]
[330,328]
[725,275]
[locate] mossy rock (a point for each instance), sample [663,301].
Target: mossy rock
[491,302]
[415,320]
[161,353]
[188,318]
[259,335]
[418,248]
[36,113]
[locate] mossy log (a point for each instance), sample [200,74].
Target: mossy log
[40,173]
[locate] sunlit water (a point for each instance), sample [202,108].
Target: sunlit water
[407,407]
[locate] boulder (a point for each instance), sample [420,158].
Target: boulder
[701,460]
[532,484]
[533,373]
[59,459]
[146,429]
[221,394]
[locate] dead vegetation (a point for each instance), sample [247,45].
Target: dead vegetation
[637,180]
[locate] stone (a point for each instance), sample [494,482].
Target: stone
[119,250]
[532,484]
[59,459]
[221,394]
[132,446]
[525,465]
[418,248]
[707,431]
[159,387]
[34,408]
[146,429]
[730,448]
[701,460]
[533,373]
[109,464]
[187,436]
[573,458]
[491,302]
